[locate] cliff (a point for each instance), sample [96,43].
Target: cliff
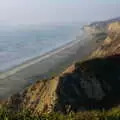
[90,84]
[111,45]
[100,26]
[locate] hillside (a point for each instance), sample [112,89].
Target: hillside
[87,85]
[100,26]
[99,29]
[111,45]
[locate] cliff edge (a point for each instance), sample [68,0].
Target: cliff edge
[90,84]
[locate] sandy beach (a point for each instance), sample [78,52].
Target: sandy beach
[45,66]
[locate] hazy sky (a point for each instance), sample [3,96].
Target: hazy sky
[56,11]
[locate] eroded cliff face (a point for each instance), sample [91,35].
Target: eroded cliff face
[93,83]
[94,29]
[99,27]
[111,45]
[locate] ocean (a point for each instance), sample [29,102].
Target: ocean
[21,43]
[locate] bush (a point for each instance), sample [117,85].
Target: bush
[113,114]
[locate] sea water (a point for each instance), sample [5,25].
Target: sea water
[21,43]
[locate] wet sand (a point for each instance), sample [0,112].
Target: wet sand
[45,66]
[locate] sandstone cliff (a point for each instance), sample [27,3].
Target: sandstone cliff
[111,45]
[100,26]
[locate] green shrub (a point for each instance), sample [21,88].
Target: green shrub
[113,114]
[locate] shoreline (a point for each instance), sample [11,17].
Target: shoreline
[43,67]
[36,59]
[30,59]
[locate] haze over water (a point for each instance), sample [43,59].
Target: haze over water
[18,44]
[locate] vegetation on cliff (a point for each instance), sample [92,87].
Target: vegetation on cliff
[113,114]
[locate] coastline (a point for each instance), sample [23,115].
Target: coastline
[42,67]
[35,60]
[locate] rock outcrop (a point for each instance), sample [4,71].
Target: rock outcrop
[111,45]
[100,26]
